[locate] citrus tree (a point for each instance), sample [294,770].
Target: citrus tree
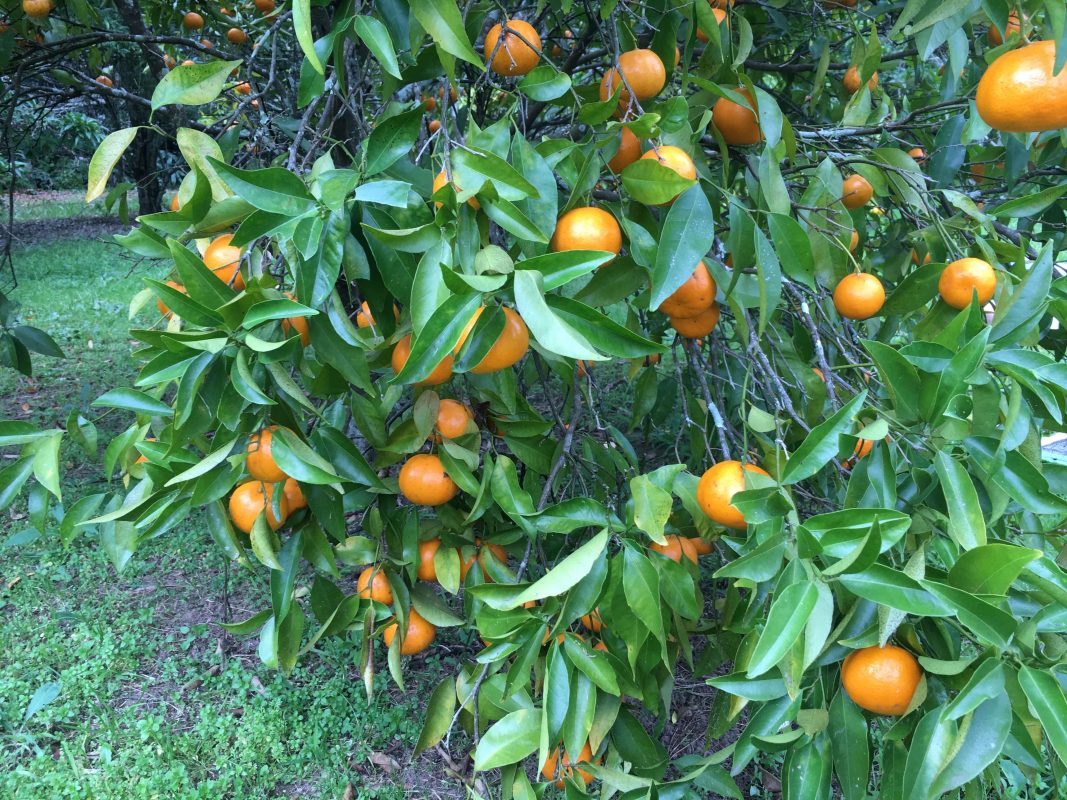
[648,347]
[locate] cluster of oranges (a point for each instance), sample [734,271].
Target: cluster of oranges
[256,495]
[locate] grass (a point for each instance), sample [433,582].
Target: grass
[151,698]
[60,204]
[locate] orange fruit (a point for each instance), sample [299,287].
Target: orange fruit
[881,679]
[862,449]
[736,123]
[629,151]
[675,548]
[193,21]
[452,419]
[206,43]
[1019,92]
[224,260]
[693,297]
[427,550]
[592,621]
[429,103]
[169,61]
[854,242]
[244,87]
[188,62]
[996,38]
[260,464]
[553,771]
[700,325]
[917,153]
[433,126]
[851,80]
[37,9]
[859,295]
[717,487]
[424,482]
[676,159]
[856,191]
[236,36]
[720,15]
[819,372]
[249,500]
[915,257]
[509,347]
[965,276]
[514,56]
[294,494]
[104,80]
[365,319]
[420,634]
[175,203]
[583,367]
[701,546]
[465,565]
[643,72]
[587,229]
[441,373]
[300,325]
[440,179]
[163,309]
[373,585]
[265,6]
[143,459]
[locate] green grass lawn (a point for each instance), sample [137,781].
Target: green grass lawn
[151,698]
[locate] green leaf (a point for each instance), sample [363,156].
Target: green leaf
[559,269]
[12,479]
[392,139]
[299,461]
[442,20]
[648,181]
[37,341]
[990,569]
[889,587]
[196,148]
[509,740]
[204,465]
[898,376]
[275,309]
[652,507]
[473,167]
[271,189]
[793,248]
[966,521]
[192,85]
[302,24]
[373,33]
[848,744]
[1031,204]
[550,331]
[822,443]
[439,336]
[386,193]
[761,689]
[438,715]
[544,83]
[1046,698]
[103,162]
[785,622]
[132,400]
[602,331]
[687,236]
[508,216]
[978,744]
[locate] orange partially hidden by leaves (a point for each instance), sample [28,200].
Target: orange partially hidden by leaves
[554,771]
[693,297]
[698,326]
[915,257]
[716,489]
[298,324]
[452,419]
[676,547]
[142,459]
[859,295]
[163,308]
[862,449]
[193,21]
[1020,92]
[427,550]
[439,181]
[629,151]
[295,495]
[720,15]
[420,634]
[881,679]
[996,38]
[261,464]
[373,585]
[962,278]
[587,229]
[675,159]
[250,499]
[441,373]
[853,242]
[514,56]
[918,154]
[641,70]
[104,80]
[465,564]
[856,191]
[851,80]
[224,260]
[736,123]
[365,319]
[592,621]
[424,482]
[508,349]
[701,546]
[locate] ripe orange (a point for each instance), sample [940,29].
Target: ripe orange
[104,80]
[629,151]
[452,419]
[699,326]
[420,634]
[236,36]
[424,482]
[224,260]
[851,80]
[514,56]
[250,499]
[429,103]
[37,8]
[963,277]
[693,297]
[465,564]
[365,319]
[261,464]
[509,347]
[295,495]
[994,36]
[701,546]
[854,242]
[440,179]
[244,87]
[737,124]
[881,679]
[441,373]
[587,229]
[175,204]
[163,309]
[675,548]
[193,21]
[1020,93]
[558,773]
[918,154]
[856,191]
[427,550]
[265,6]
[676,159]
[862,449]
[298,324]
[859,295]
[643,72]
[188,63]
[207,43]
[717,487]
[433,126]
[373,585]
[169,61]
[592,621]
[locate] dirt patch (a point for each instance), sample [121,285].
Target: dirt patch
[35,231]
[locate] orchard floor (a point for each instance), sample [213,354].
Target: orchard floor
[149,697]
